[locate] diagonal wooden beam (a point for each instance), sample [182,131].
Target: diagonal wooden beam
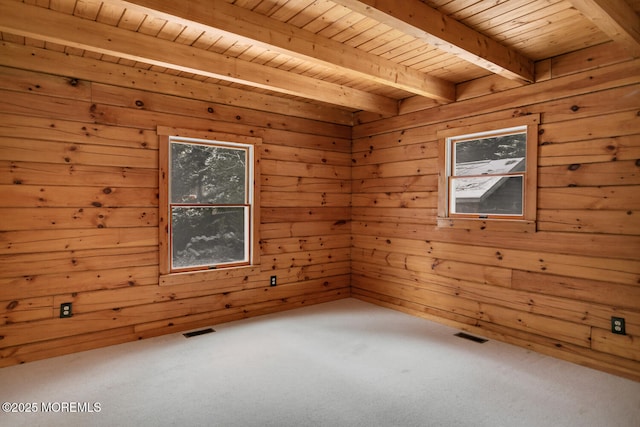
[421,21]
[616,18]
[40,23]
[288,39]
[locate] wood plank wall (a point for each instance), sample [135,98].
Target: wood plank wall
[554,291]
[79,213]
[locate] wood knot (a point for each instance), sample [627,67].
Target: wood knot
[574,167]
[139,103]
[107,190]
[73,82]
[574,108]
[12,305]
[210,110]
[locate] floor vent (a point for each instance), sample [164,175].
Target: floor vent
[471,337]
[196,333]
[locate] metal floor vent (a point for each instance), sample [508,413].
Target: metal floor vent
[471,337]
[196,333]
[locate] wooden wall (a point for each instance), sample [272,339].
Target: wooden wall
[344,210]
[553,291]
[79,207]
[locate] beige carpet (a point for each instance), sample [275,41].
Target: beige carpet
[345,363]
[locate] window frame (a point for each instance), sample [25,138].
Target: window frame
[166,135]
[448,137]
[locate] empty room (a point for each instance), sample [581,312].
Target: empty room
[320,212]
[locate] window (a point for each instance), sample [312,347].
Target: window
[488,172]
[207,202]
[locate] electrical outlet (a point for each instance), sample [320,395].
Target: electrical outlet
[65,310]
[617,325]
[272,281]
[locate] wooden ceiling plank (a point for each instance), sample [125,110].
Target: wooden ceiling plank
[437,29]
[33,42]
[535,23]
[88,9]
[247,4]
[389,46]
[290,40]
[13,38]
[152,26]
[502,13]
[110,14]
[336,13]
[408,51]
[267,7]
[345,23]
[309,14]
[473,8]
[189,36]
[616,18]
[289,10]
[65,6]
[33,21]
[131,20]
[41,3]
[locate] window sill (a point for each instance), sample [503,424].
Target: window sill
[492,225]
[232,274]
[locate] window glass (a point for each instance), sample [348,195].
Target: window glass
[209,204]
[206,236]
[208,174]
[486,176]
[490,155]
[488,195]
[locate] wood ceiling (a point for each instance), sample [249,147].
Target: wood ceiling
[358,55]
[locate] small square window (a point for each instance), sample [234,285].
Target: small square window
[489,172]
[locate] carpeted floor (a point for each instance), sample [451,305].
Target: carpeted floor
[345,363]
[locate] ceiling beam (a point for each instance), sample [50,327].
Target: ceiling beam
[616,18]
[40,23]
[285,38]
[425,23]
